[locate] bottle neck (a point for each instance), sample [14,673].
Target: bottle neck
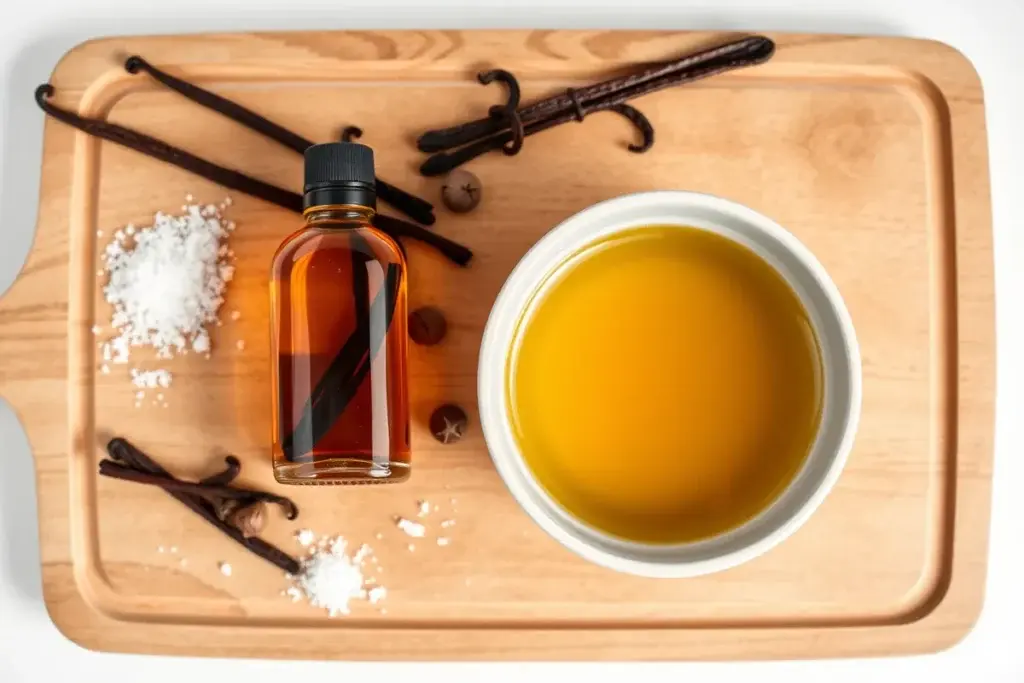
[352,193]
[347,215]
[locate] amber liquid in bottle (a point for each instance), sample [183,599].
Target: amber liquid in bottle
[338,311]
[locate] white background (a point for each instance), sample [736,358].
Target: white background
[33,36]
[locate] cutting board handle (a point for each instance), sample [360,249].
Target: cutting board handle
[33,332]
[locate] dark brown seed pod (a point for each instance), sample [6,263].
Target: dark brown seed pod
[461,191]
[448,423]
[427,326]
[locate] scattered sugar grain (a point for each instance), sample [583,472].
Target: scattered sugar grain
[442,541]
[174,549]
[448,523]
[100,273]
[99,233]
[305,537]
[424,508]
[151,379]
[160,549]
[376,594]
[411,528]
[379,535]
[189,198]
[225,568]
[412,547]
[235,315]
[130,230]
[105,369]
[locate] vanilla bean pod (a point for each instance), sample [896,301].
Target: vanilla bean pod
[126,455]
[507,126]
[157,149]
[409,204]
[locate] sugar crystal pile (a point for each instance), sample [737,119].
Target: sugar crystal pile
[331,578]
[166,284]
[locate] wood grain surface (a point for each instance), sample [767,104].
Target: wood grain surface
[872,151]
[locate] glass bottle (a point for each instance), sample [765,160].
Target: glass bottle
[338,337]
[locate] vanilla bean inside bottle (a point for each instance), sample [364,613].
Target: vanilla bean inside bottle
[338,316]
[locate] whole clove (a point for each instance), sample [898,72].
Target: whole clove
[461,191]
[448,423]
[250,519]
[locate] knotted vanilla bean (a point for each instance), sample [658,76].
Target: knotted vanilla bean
[506,126]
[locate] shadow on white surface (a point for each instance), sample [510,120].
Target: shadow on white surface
[19,524]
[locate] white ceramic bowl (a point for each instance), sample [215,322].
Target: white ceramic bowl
[840,361]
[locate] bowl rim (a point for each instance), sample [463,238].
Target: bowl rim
[656,560]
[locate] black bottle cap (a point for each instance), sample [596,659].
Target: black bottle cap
[339,173]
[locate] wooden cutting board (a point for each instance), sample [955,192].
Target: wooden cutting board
[871,150]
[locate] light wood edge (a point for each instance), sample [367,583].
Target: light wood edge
[942,73]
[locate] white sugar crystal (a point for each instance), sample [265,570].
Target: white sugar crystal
[376,594]
[225,568]
[305,537]
[414,529]
[442,541]
[150,379]
[331,579]
[167,282]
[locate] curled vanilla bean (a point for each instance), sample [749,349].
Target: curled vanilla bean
[507,125]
